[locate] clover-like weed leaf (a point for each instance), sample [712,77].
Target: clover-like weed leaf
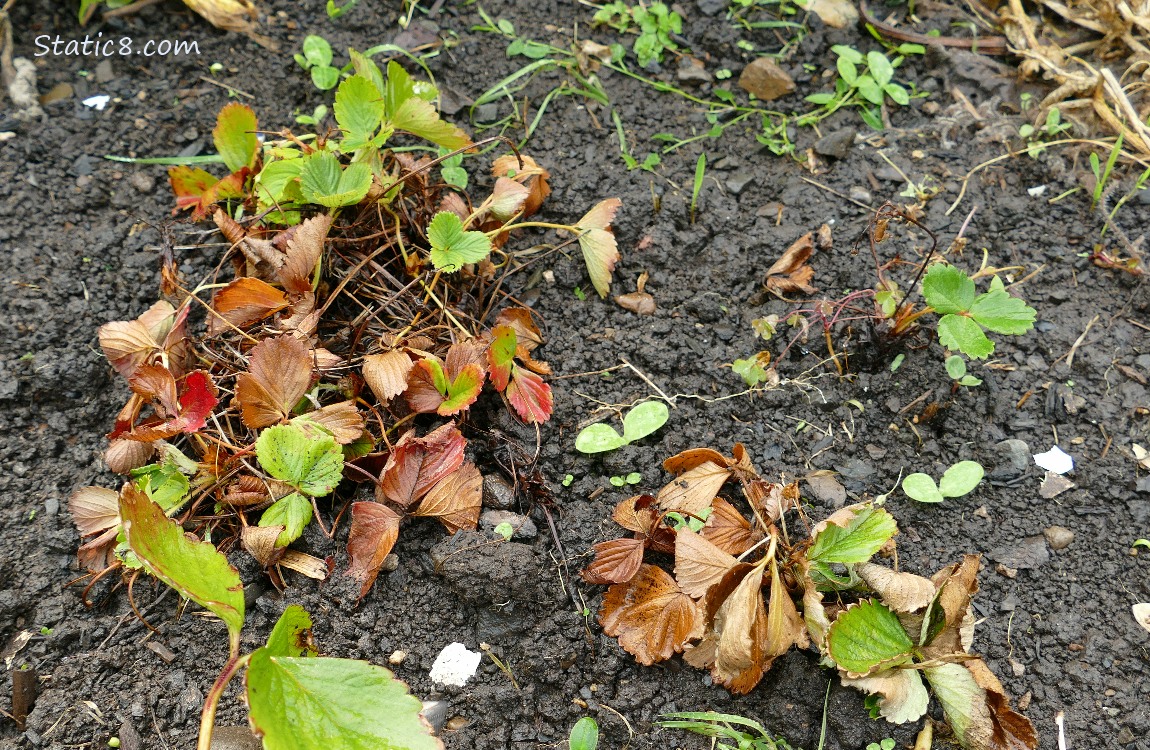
[643,420]
[451,247]
[313,464]
[300,701]
[947,289]
[195,569]
[921,487]
[960,479]
[866,637]
[293,513]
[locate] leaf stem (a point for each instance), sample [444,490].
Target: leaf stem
[212,700]
[539,224]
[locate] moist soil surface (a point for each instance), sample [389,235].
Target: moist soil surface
[80,237]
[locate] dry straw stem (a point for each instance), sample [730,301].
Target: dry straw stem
[1092,88]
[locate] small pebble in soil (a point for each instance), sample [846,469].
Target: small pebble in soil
[836,144]
[1011,459]
[1058,537]
[397,658]
[435,713]
[766,80]
[1030,552]
[860,194]
[498,494]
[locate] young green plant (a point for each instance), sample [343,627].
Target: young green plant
[640,422]
[584,735]
[960,479]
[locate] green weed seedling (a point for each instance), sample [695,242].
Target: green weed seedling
[653,23]
[295,698]
[640,422]
[335,11]
[697,187]
[723,727]
[584,735]
[316,59]
[633,478]
[887,744]
[1102,175]
[864,82]
[958,480]
[505,530]
[1141,543]
[1036,137]
[956,368]
[967,315]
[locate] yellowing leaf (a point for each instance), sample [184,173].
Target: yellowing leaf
[600,251]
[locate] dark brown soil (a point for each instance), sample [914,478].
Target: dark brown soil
[80,233]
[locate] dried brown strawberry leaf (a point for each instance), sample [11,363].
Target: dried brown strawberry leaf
[159,334]
[386,374]
[244,301]
[636,513]
[94,510]
[528,173]
[279,374]
[693,491]
[341,419]
[616,561]
[649,615]
[526,332]
[790,272]
[902,592]
[699,564]
[418,463]
[455,500]
[729,530]
[374,531]
[123,455]
[304,250]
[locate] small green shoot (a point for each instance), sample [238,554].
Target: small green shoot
[584,735]
[956,368]
[887,744]
[695,522]
[580,294]
[633,478]
[451,168]
[1141,543]
[1050,129]
[865,82]
[753,370]
[1102,176]
[640,422]
[505,530]
[335,11]
[700,171]
[957,481]
[568,479]
[712,724]
[316,59]
[966,315]
[654,24]
[315,118]
[897,362]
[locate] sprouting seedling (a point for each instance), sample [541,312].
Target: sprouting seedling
[505,530]
[956,368]
[696,188]
[295,698]
[312,464]
[640,422]
[886,744]
[584,735]
[1102,176]
[956,481]
[568,479]
[633,478]
[712,724]
[966,315]
[316,59]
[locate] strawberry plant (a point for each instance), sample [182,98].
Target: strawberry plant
[357,316]
[742,591]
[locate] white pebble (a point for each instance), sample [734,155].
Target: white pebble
[455,665]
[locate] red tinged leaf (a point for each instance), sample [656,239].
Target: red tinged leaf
[650,616]
[188,413]
[279,374]
[416,464]
[197,401]
[243,302]
[374,531]
[501,355]
[426,386]
[600,251]
[526,332]
[231,186]
[463,391]
[189,185]
[616,561]
[530,396]
[524,170]
[455,500]
[450,387]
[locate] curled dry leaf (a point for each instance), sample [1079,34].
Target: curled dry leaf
[260,543]
[600,251]
[374,531]
[243,302]
[976,708]
[96,513]
[507,199]
[455,500]
[649,615]
[247,490]
[304,250]
[902,695]
[418,463]
[186,413]
[157,335]
[790,273]
[386,374]
[902,592]
[123,455]
[729,530]
[616,561]
[341,419]
[529,174]
[734,647]
[279,374]
[527,334]
[639,514]
[693,490]
[530,396]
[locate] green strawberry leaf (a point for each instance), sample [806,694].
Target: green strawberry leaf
[1000,312]
[961,333]
[195,569]
[359,112]
[235,136]
[292,634]
[301,702]
[399,88]
[293,513]
[463,391]
[313,464]
[947,289]
[165,484]
[867,636]
[451,247]
[861,537]
[324,181]
[418,117]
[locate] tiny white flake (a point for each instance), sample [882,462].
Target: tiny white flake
[1055,460]
[97,102]
[1034,192]
[455,665]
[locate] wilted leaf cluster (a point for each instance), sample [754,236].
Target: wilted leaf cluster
[742,590]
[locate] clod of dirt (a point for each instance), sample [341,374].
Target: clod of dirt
[497,493]
[483,572]
[1011,459]
[524,527]
[1031,552]
[234,738]
[1058,537]
[836,144]
[766,80]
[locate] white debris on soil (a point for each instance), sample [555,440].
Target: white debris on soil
[1142,615]
[455,665]
[98,102]
[1055,460]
